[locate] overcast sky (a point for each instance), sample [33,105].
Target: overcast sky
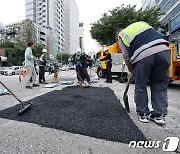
[89,12]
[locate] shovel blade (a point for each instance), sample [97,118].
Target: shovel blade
[25,108]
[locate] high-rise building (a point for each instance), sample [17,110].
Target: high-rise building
[71,26]
[147,3]
[24,31]
[171,10]
[49,16]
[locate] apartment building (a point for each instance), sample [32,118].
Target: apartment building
[23,31]
[71,26]
[49,16]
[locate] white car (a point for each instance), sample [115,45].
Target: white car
[14,70]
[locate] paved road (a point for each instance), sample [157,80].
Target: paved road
[28,138]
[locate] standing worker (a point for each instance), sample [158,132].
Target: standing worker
[108,61]
[29,64]
[42,64]
[147,55]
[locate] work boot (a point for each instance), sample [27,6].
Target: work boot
[89,83]
[79,83]
[29,87]
[160,120]
[143,118]
[45,82]
[35,85]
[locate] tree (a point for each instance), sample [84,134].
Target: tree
[103,30]
[38,47]
[64,57]
[15,51]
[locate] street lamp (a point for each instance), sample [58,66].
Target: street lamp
[2,30]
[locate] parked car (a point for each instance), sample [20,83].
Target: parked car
[2,69]
[14,70]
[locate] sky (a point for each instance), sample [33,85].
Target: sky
[89,12]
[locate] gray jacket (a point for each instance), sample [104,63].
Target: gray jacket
[29,61]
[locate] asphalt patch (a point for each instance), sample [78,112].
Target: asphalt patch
[94,112]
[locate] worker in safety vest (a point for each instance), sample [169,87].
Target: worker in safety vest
[42,64]
[147,56]
[108,61]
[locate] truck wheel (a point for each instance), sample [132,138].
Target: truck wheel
[100,73]
[13,73]
[170,81]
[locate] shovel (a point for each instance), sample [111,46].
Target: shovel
[121,79]
[23,107]
[125,96]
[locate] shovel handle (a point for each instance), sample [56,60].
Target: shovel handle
[127,86]
[11,92]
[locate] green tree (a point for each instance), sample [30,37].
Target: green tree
[103,30]
[15,51]
[6,44]
[38,47]
[64,57]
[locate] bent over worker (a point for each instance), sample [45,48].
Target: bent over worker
[75,59]
[147,55]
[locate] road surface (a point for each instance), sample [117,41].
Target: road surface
[29,138]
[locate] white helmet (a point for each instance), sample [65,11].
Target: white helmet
[44,50]
[78,50]
[105,49]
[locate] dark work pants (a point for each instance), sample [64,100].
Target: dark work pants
[83,73]
[79,75]
[154,69]
[108,74]
[41,74]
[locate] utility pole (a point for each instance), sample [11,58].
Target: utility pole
[166,30]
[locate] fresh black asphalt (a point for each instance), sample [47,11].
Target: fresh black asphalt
[94,112]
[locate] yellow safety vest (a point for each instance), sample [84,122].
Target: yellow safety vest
[129,33]
[140,36]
